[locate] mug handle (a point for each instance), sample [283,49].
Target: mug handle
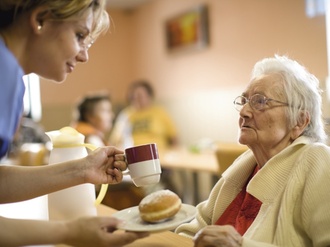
[126,172]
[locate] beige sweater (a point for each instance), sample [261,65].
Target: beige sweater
[294,188]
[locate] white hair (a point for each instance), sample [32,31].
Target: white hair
[301,90]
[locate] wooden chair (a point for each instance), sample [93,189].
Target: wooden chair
[123,195]
[226,153]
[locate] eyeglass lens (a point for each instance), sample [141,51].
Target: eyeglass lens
[257,102]
[87,43]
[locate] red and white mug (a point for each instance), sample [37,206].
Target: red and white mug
[143,164]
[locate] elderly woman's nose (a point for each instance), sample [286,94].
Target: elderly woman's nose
[245,108]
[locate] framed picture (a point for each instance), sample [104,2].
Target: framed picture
[188,31]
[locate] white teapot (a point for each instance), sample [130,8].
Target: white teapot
[77,201]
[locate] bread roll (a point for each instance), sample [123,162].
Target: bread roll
[159,206]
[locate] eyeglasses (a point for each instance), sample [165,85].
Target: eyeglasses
[257,102]
[87,42]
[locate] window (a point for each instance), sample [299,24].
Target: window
[32,102]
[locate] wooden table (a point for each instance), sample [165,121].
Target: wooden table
[163,239]
[182,158]
[198,172]
[160,239]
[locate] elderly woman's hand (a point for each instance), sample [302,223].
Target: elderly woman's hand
[105,166]
[218,236]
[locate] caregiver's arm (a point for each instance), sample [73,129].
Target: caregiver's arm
[102,166]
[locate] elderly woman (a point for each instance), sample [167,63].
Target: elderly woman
[50,38]
[277,192]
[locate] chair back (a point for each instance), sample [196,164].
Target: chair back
[226,153]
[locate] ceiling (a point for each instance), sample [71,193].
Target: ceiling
[125,4]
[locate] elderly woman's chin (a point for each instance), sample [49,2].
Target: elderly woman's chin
[244,140]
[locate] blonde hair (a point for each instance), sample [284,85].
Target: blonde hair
[61,10]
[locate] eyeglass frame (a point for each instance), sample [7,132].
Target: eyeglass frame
[87,42]
[266,100]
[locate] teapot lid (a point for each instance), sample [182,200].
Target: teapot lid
[65,136]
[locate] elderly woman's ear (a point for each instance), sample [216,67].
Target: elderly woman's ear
[302,123]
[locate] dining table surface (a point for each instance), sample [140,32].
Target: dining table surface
[196,171]
[158,239]
[185,159]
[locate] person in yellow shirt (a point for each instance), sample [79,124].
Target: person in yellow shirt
[150,122]
[143,121]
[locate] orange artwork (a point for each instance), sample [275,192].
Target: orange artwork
[188,30]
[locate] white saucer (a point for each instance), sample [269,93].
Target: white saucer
[133,222]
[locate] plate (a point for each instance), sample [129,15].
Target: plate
[133,222]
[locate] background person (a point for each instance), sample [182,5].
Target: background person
[149,121]
[143,121]
[50,38]
[121,133]
[94,118]
[276,193]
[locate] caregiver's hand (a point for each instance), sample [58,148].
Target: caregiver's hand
[104,166]
[98,232]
